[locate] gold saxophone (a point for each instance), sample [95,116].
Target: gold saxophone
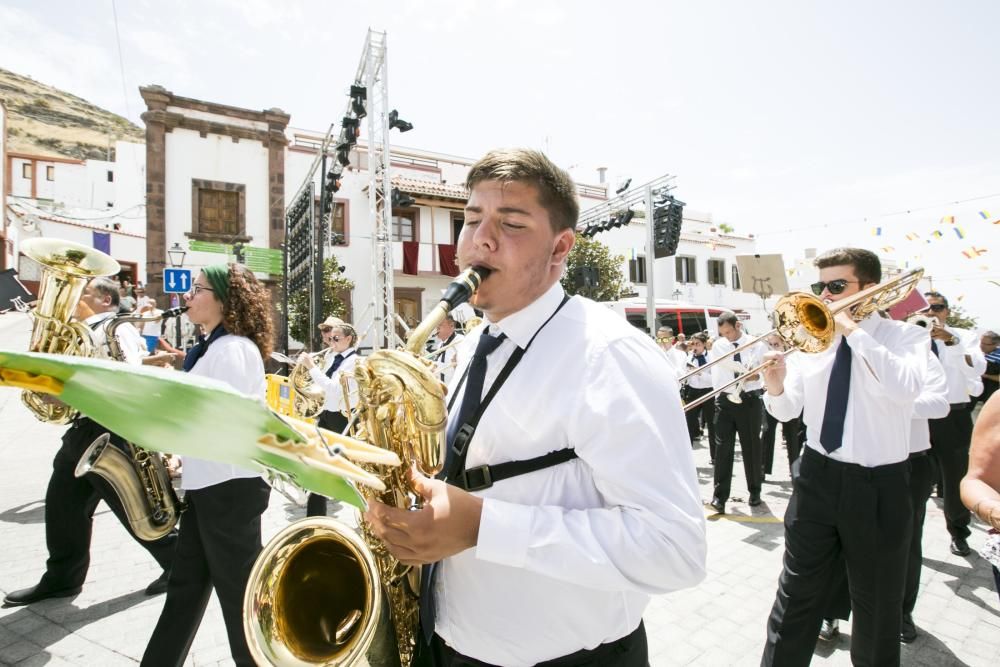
[308,397]
[139,478]
[66,269]
[320,593]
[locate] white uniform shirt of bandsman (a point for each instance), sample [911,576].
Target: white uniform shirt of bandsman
[931,404]
[132,345]
[961,375]
[236,361]
[569,556]
[333,390]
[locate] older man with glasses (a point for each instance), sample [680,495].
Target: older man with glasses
[958,351]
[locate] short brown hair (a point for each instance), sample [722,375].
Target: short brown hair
[556,191]
[866,264]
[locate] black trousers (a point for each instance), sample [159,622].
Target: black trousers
[703,415]
[70,502]
[629,651]
[838,600]
[732,419]
[218,543]
[789,431]
[950,438]
[863,515]
[331,421]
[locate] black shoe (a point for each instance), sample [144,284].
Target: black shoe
[754,499]
[159,585]
[907,631]
[960,547]
[38,593]
[718,505]
[830,629]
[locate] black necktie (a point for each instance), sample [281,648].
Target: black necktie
[737,359]
[700,358]
[337,361]
[831,436]
[934,348]
[470,404]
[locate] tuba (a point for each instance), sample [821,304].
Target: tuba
[139,478]
[308,398]
[67,267]
[320,593]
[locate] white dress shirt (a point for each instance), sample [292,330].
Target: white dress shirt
[888,372]
[932,403]
[961,376]
[131,343]
[701,380]
[236,361]
[568,556]
[333,400]
[750,358]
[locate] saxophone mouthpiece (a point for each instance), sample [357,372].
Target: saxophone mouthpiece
[465,285]
[174,312]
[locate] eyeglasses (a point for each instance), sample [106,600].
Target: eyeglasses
[835,286]
[196,289]
[937,307]
[336,339]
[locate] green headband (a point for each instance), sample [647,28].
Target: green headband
[218,278]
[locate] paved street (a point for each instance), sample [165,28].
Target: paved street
[721,622]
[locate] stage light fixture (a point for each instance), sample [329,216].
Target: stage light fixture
[624,186]
[395,122]
[358,96]
[401,199]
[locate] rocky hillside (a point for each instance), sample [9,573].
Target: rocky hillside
[43,120]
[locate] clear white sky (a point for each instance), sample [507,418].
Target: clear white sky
[806,123]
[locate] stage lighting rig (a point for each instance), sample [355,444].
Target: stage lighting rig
[624,186]
[359,94]
[401,199]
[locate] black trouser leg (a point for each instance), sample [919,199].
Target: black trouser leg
[219,542]
[920,491]
[69,511]
[748,425]
[837,600]
[316,504]
[725,445]
[875,533]
[793,439]
[950,438]
[703,413]
[767,434]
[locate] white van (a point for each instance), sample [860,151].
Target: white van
[682,317]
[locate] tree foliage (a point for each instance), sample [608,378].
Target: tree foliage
[959,318]
[591,252]
[334,284]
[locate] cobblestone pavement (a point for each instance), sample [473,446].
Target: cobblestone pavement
[721,622]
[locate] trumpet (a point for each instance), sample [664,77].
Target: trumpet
[804,322]
[925,321]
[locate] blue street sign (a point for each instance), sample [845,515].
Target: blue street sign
[176,281]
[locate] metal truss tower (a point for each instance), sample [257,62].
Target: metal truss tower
[373,75]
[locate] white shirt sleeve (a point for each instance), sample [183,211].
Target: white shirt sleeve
[901,370]
[132,344]
[932,403]
[629,429]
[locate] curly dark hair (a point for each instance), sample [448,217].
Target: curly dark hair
[247,311]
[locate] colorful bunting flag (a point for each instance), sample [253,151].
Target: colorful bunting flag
[958,232]
[912,236]
[877,231]
[985,215]
[937,233]
[973,252]
[948,219]
[887,248]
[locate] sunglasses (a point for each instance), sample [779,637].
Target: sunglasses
[834,286]
[937,307]
[664,339]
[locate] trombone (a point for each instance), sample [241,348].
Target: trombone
[804,322]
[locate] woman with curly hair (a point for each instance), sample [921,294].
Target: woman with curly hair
[219,537]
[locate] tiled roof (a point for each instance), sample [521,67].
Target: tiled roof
[423,188]
[24,212]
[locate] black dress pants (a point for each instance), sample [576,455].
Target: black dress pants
[789,431]
[218,543]
[921,473]
[730,419]
[703,415]
[70,502]
[631,650]
[331,421]
[950,438]
[863,515]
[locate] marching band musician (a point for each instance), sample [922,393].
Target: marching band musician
[220,529]
[697,386]
[665,339]
[851,496]
[963,363]
[70,501]
[789,429]
[571,494]
[448,359]
[738,411]
[342,340]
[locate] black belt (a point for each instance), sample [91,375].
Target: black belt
[815,458]
[960,406]
[603,654]
[917,455]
